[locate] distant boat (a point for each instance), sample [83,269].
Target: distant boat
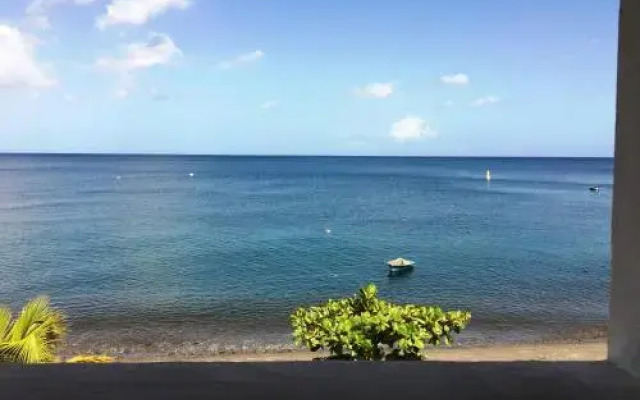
[191,174]
[487,175]
[400,265]
[594,189]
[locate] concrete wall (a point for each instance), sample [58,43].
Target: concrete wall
[624,324]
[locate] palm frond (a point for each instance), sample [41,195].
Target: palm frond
[30,350]
[34,335]
[5,322]
[32,315]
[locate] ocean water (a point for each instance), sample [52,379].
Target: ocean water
[144,258]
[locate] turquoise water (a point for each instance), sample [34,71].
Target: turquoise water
[144,257]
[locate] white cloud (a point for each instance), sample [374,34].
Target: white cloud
[40,6]
[136,12]
[483,101]
[158,96]
[376,90]
[40,22]
[18,64]
[121,93]
[37,10]
[269,104]
[455,79]
[242,59]
[411,128]
[158,50]
[125,85]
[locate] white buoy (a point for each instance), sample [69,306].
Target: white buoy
[488,175]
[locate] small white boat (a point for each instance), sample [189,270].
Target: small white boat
[400,264]
[487,175]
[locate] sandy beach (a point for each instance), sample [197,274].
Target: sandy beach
[585,351]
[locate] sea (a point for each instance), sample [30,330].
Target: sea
[201,255]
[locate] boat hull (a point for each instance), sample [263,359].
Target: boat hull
[400,270]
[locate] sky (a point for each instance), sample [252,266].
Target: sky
[312,77]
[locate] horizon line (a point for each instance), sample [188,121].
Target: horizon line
[9,153]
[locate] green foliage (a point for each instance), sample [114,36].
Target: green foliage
[364,327]
[34,336]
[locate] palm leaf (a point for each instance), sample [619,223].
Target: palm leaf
[30,350]
[34,335]
[30,317]
[5,322]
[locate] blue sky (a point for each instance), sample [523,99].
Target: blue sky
[404,77]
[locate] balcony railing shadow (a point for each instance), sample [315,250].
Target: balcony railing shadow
[321,380]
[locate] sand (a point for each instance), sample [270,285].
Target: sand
[585,351]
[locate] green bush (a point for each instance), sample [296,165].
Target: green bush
[364,327]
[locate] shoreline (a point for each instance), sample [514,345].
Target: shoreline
[279,345]
[589,350]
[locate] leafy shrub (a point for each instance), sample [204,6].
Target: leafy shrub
[364,327]
[91,359]
[34,336]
